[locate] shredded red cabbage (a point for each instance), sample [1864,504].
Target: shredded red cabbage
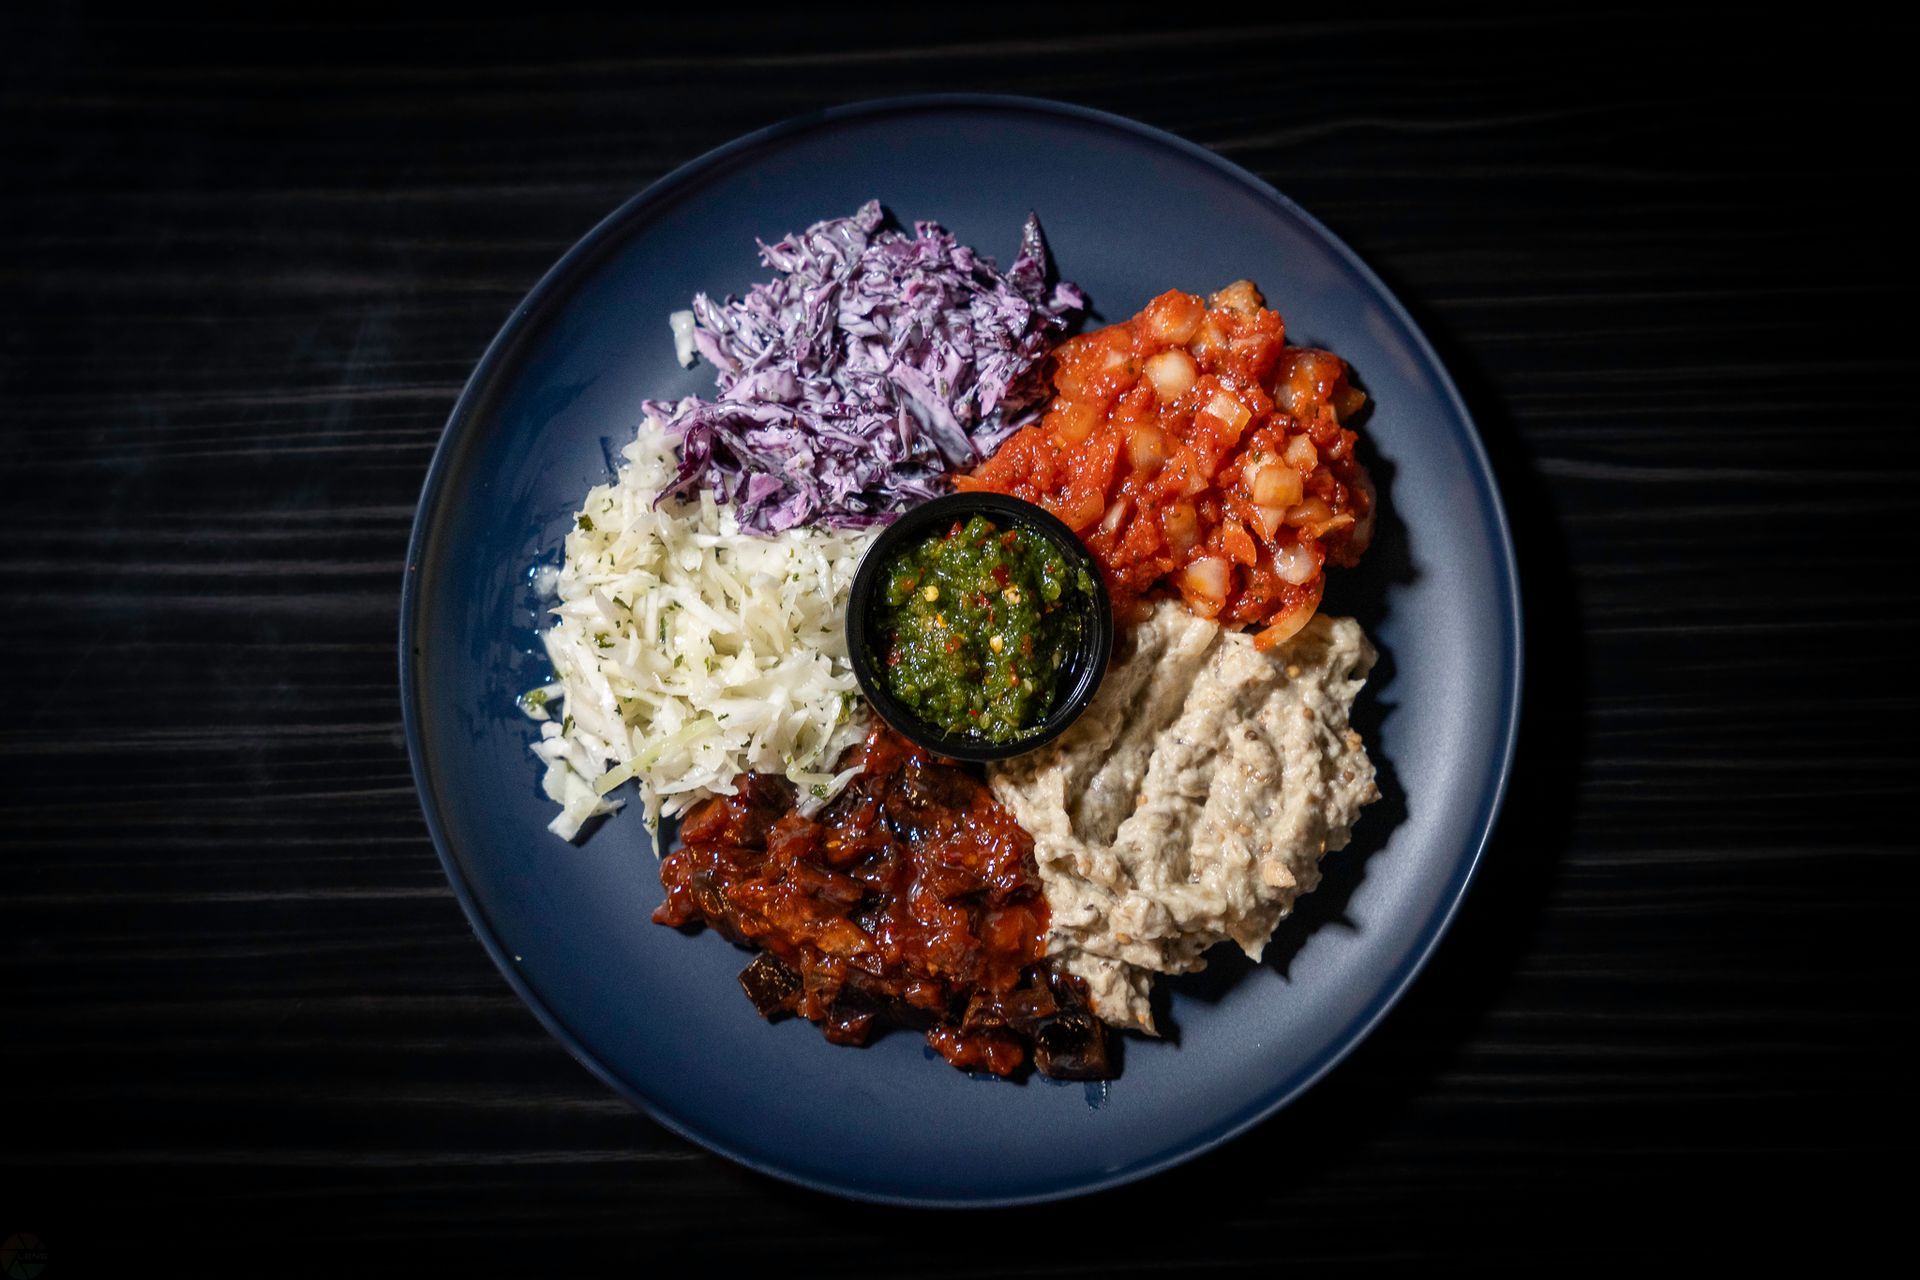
[869,368]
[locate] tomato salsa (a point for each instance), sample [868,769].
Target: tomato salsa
[911,898]
[978,623]
[1190,446]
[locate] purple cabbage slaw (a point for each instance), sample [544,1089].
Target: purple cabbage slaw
[873,365]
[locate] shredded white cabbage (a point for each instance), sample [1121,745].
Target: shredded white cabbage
[684,349]
[687,652]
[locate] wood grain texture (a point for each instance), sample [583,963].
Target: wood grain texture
[246,268]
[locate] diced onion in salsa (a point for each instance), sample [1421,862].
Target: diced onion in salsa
[1191,446]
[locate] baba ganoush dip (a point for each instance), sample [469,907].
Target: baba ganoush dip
[1193,800]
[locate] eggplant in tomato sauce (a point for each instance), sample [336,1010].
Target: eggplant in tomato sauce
[911,899]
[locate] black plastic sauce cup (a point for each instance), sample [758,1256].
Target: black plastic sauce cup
[1079,676]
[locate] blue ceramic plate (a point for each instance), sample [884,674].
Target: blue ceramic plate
[1129,212]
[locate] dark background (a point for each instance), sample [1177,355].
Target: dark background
[244,270]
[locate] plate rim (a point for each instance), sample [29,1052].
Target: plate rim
[459,422]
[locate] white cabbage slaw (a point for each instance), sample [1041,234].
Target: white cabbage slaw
[686,652]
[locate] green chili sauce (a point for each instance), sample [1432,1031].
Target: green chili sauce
[979,625]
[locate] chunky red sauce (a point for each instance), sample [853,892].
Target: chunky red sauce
[911,898]
[1192,449]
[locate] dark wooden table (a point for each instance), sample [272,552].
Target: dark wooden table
[245,269]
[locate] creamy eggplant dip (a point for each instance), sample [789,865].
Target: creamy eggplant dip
[1192,802]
